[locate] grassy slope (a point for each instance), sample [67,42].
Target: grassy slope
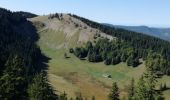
[73,75]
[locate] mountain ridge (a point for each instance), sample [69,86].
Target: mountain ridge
[162,33]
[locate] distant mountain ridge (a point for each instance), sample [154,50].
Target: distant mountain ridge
[162,33]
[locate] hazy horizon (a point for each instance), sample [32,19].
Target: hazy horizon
[119,12]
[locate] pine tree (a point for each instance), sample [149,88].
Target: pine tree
[161,87]
[141,90]
[79,97]
[123,58]
[40,89]
[150,77]
[13,81]
[131,90]
[164,87]
[114,94]
[89,45]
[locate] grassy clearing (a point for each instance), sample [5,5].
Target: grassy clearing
[74,76]
[166,79]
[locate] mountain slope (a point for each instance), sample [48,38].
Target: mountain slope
[73,75]
[71,31]
[59,32]
[162,33]
[24,73]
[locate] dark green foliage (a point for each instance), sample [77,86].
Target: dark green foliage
[107,61]
[160,98]
[71,50]
[131,61]
[146,85]
[164,86]
[80,52]
[115,60]
[145,89]
[13,81]
[40,90]
[111,52]
[20,58]
[124,57]
[168,72]
[26,14]
[138,41]
[89,45]
[141,44]
[150,77]
[141,91]
[56,15]
[114,94]
[131,90]
[93,56]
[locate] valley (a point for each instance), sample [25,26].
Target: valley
[75,76]
[84,50]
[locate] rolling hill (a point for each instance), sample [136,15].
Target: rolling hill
[60,32]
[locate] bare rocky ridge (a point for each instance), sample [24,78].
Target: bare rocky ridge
[70,26]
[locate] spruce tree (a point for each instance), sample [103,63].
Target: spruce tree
[131,90]
[150,77]
[13,81]
[141,93]
[114,94]
[39,89]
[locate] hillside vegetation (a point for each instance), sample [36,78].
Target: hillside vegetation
[162,33]
[61,32]
[22,65]
[64,56]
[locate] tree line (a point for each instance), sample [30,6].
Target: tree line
[129,47]
[145,89]
[111,52]
[142,89]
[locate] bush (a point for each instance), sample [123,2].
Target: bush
[80,52]
[133,61]
[107,61]
[71,50]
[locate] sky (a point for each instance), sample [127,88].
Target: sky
[153,13]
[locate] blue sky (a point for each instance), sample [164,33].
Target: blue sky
[119,12]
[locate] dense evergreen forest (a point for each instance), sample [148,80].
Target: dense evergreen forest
[129,47]
[25,14]
[22,65]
